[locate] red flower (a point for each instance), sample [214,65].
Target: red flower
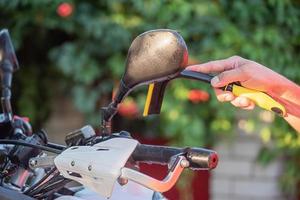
[197,96]
[64,9]
[128,109]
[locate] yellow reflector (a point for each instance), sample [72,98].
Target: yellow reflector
[148,99]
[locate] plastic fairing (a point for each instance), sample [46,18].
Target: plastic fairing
[97,167]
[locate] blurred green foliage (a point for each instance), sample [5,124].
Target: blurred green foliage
[83,55]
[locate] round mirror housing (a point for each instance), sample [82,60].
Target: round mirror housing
[154,56]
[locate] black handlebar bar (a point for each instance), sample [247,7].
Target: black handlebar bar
[199,158]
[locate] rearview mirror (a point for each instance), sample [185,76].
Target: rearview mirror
[154,56]
[8,59]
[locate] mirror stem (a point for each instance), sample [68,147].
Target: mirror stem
[109,112]
[6,91]
[6,106]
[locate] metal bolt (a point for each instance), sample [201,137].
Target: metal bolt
[185,163]
[32,162]
[90,167]
[73,163]
[122,181]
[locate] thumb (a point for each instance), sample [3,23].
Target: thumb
[227,77]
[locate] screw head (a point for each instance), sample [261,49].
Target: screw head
[72,163]
[184,163]
[122,181]
[32,162]
[90,167]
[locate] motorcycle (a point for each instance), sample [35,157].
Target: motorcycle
[91,166]
[94,166]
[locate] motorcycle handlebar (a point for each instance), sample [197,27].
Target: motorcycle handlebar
[199,158]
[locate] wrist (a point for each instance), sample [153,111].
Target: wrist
[287,93]
[290,91]
[282,87]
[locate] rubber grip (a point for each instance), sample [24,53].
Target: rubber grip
[199,158]
[261,99]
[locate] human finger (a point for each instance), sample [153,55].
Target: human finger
[241,102]
[217,65]
[230,76]
[250,107]
[224,96]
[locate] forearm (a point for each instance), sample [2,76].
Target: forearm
[254,76]
[286,90]
[294,121]
[288,93]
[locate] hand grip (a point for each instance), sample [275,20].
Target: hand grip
[261,99]
[199,158]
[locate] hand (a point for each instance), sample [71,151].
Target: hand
[249,73]
[254,76]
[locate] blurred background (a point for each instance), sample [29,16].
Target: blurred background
[72,54]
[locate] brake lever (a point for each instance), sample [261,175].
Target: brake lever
[160,186]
